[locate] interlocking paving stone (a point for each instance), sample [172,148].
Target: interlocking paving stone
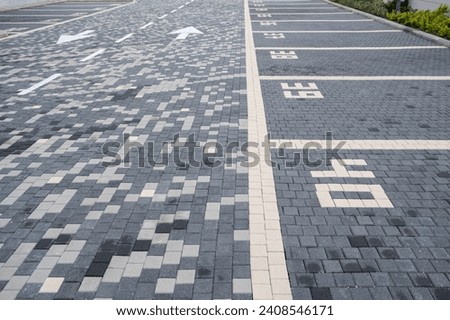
[73,225]
[99,225]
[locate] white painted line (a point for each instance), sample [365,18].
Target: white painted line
[300,144]
[174,10]
[47,10]
[181,7]
[321,20]
[328,31]
[69,38]
[63,22]
[350,48]
[36,15]
[358,78]
[26,23]
[302,13]
[300,6]
[163,16]
[96,53]
[40,84]
[147,25]
[269,275]
[124,38]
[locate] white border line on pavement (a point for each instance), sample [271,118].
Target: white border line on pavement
[328,31]
[269,275]
[323,20]
[349,48]
[37,15]
[40,84]
[356,78]
[364,144]
[21,22]
[300,14]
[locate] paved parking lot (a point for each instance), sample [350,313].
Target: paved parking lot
[375,224]
[125,139]
[17,21]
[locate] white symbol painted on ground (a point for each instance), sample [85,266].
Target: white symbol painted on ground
[264,15]
[69,38]
[274,35]
[323,191]
[283,55]
[268,23]
[298,91]
[185,32]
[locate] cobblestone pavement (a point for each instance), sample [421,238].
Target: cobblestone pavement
[98,200]
[76,225]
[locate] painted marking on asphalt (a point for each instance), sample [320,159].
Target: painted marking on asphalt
[185,32]
[40,84]
[181,7]
[318,20]
[163,16]
[357,78]
[297,6]
[380,198]
[96,53]
[124,38]
[36,15]
[301,144]
[147,25]
[174,10]
[283,55]
[52,24]
[303,13]
[350,48]
[300,91]
[69,38]
[21,22]
[46,10]
[267,260]
[331,31]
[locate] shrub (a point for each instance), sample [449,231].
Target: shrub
[436,22]
[376,7]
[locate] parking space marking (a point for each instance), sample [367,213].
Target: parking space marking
[331,31]
[316,20]
[267,260]
[351,48]
[40,84]
[301,144]
[303,13]
[357,78]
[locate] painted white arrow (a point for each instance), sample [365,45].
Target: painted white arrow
[68,38]
[185,32]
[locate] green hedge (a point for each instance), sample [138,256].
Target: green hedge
[376,7]
[436,22]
